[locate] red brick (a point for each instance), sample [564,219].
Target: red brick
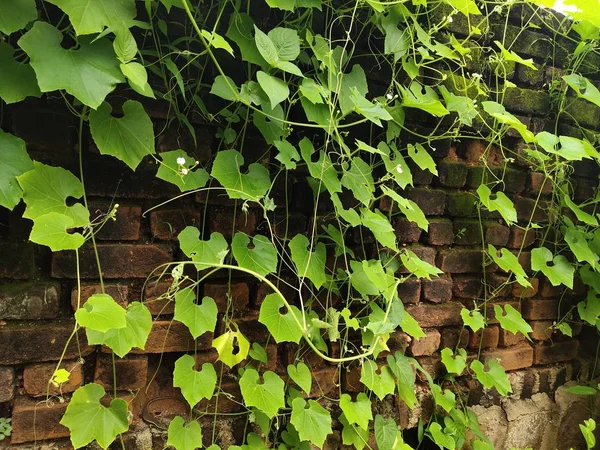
[467,232]
[491,314]
[45,128]
[518,238]
[35,421]
[172,336]
[410,290]
[219,292]
[433,366]
[430,316]
[7,384]
[555,352]
[167,224]
[252,329]
[287,226]
[119,292]
[227,221]
[540,308]
[427,254]
[440,232]
[508,339]
[530,209]
[437,289]
[36,378]
[496,234]
[406,231]
[542,330]
[467,286]
[454,337]
[117,260]
[427,345]
[131,372]
[29,301]
[284,286]
[431,201]
[325,382]
[460,260]
[548,290]
[537,182]
[498,285]
[526,292]
[126,227]
[17,261]
[486,338]
[512,358]
[30,342]
[152,293]
[452,174]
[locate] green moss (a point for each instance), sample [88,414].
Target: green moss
[527,101]
[584,113]
[461,204]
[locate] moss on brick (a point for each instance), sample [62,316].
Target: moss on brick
[461,204]
[527,101]
[584,113]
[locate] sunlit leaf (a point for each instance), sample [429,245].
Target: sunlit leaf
[101,313]
[495,376]
[511,320]
[267,396]
[309,264]
[559,271]
[312,421]
[182,436]
[232,346]
[282,326]
[195,385]
[14,161]
[16,14]
[203,253]
[199,318]
[17,80]
[300,374]
[252,185]
[91,16]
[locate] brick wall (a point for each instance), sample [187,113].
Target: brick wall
[38,289]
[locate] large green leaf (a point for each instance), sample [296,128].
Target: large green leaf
[52,230]
[195,385]
[128,138]
[495,376]
[309,264]
[381,383]
[134,334]
[184,176]
[405,377]
[580,247]
[101,313]
[559,271]
[387,433]
[268,396]
[276,89]
[300,374]
[323,169]
[374,111]
[454,363]
[497,111]
[498,201]
[247,186]
[16,14]
[353,435]
[410,209]
[472,319]
[203,253]
[14,161]
[283,327]
[421,157]
[232,347]
[260,258]
[312,421]
[583,87]
[89,73]
[358,412]
[359,179]
[88,420]
[182,436]
[46,189]
[17,80]
[380,226]
[509,262]
[91,16]
[567,147]
[198,318]
[511,320]
[240,31]
[357,79]
[286,42]
[423,98]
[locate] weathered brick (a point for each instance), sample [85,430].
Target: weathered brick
[508,339]
[548,290]
[528,76]
[467,232]
[460,260]
[461,204]
[7,384]
[526,101]
[512,358]
[555,352]
[437,289]
[427,345]
[542,329]
[440,232]
[29,301]
[497,284]
[119,292]
[252,328]
[454,337]
[538,308]
[496,234]
[432,365]
[530,209]
[325,382]
[486,338]
[526,292]
[410,290]
[406,231]
[117,260]
[45,128]
[131,372]
[431,201]
[36,378]
[452,174]
[35,421]
[220,292]
[126,227]
[167,224]
[227,222]
[466,286]
[17,260]
[430,316]
[22,342]
[172,336]
[152,293]
[520,238]
[537,183]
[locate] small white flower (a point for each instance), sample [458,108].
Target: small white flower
[399,169]
[389,96]
[181,161]
[184,171]
[477,75]
[450,19]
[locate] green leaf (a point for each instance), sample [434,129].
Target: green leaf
[313,422]
[495,376]
[137,77]
[571,149]
[438,436]
[134,334]
[580,213]
[323,169]
[182,436]
[312,91]
[288,155]
[195,385]
[465,7]
[233,347]
[405,377]
[497,111]
[396,42]
[300,374]
[266,47]
[283,327]
[246,186]
[217,41]
[198,318]
[358,412]
[581,390]
[511,320]
[225,88]
[91,16]
[14,161]
[181,175]
[472,319]
[387,434]
[422,158]
[269,122]
[380,227]
[276,89]
[309,264]
[359,180]
[355,79]
[584,88]
[560,272]
[101,313]
[124,45]
[444,398]
[286,42]
[463,105]
[375,112]
[498,201]
[423,98]
[381,383]
[418,267]
[589,310]
[258,353]
[353,435]
[16,14]
[395,165]
[268,396]
[580,247]
[286,5]
[240,31]
[129,138]
[512,56]
[88,420]
[509,262]
[40,200]
[454,363]
[260,258]
[17,80]
[89,73]
[204,253]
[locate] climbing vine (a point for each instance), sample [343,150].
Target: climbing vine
[294,72]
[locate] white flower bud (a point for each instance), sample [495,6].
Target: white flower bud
[181,161]
[184,171]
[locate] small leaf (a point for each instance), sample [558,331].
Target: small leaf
[261,258]
[454,363]
[584,88]
[512,56]
[437,434]
[508,262]
[580,247]
[268,397]
[472,319]
[323,169]
[312,91]
[232,346]
[288,155]
[353,435]
[560,272]
[381,383]
[380,227]
[124,45]
[195,385]
[246,186]
[410,209]
[498,201]
[101,313]
[511,320]
[181,175]
[422,158]
[445,399]
[258,353]
[418,267]
[300,374]
[17,80]
[493,377]
[313,423]
[358,412]
[276,89]
[405,377]
[240,31]
[225,88]
[204,253]
[198,318]
[282,326]
[60,376]
[423,98]
[266,47]
[375,112]
[184,436]
[217,41]
[308,264]
[497,111]
[581,390]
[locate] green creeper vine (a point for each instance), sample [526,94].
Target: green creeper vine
[297,81]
